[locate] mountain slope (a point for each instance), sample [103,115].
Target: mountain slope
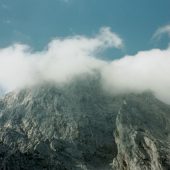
[142,134]
[79,126]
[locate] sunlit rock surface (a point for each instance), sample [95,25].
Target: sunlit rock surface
[142,134]
[78,126]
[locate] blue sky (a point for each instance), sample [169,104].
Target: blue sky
[36,22]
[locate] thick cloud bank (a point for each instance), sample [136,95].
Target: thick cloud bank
[60,62]
[67,58]
[147,70]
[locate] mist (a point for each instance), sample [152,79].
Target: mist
[145,71]
[59,62]
[65,58]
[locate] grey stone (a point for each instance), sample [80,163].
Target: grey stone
[78,126]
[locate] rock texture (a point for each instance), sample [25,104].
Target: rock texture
[78,126]
[142,134]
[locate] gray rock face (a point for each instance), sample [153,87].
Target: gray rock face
[79,127]
[142,134]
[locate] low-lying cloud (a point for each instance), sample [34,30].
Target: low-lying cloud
[67,58]
[147,70]
[60,62]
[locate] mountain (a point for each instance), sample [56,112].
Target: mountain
[78,126]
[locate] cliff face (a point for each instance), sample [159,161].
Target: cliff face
[78,126]
[142,134]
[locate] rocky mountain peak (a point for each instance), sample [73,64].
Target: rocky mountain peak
[81,127]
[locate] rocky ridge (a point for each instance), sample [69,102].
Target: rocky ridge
[79,126]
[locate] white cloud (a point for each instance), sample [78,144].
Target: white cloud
[147,70]
[109,39]
[67,58]
[60,62]
[161,31]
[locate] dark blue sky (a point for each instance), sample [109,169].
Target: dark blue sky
[36,22]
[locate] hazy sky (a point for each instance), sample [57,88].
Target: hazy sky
[37,22]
